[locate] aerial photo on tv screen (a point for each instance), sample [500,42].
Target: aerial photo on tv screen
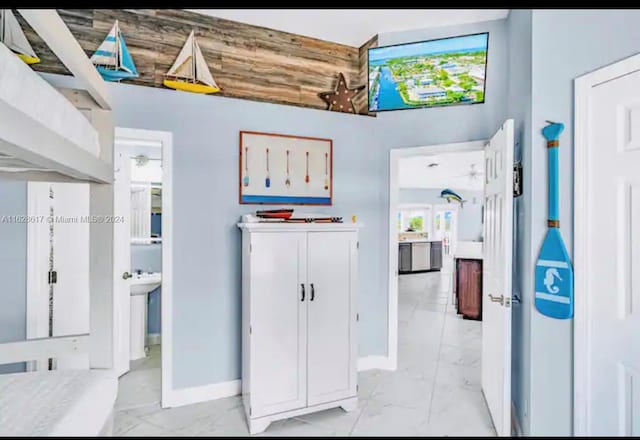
[431,73]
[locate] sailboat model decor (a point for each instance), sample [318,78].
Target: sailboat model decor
[112,59]
[12,36]
[190,72]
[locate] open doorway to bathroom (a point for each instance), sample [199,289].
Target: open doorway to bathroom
[142,254]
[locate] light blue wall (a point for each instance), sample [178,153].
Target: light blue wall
[207,263]
[519,108]
[13,267]
[565,45]
[469,217]
[205,130]
[148,257]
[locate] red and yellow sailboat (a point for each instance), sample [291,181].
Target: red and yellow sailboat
[190,72]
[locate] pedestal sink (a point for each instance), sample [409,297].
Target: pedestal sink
[141,285]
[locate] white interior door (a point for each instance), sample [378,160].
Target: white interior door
[278,322]
[331,339]
[496,277]
[59,241]
[122,259]
[71,256]
[611,252]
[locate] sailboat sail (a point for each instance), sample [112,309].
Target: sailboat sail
[112,58]
[126,62]
[183,66]
[12,36]
[107,53]
[202,70]
[190,70]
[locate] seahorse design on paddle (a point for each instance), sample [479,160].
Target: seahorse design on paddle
[549,280]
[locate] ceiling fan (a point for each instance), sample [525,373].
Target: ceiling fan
[474,174]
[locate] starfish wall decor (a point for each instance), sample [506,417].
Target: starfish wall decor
[341,99]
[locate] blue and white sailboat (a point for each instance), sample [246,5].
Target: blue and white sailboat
[112,59]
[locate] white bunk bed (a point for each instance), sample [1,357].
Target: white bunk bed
[51,135]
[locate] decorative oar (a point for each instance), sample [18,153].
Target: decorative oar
[326,171]
[245,181]
[267,180]
[306,177]
[554,273]
[288,181]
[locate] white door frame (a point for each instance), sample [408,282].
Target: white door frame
[582,232]
[163,139]
[391,362]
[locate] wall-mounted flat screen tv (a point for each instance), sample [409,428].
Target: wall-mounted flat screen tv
[447,71]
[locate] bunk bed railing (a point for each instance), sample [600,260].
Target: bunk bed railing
[38,348]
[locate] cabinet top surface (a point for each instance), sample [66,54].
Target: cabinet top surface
[300,226]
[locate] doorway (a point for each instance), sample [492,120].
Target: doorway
[142,256]
[434,329]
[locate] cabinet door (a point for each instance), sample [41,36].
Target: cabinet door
[278,322]
[436,255]
[404,264]
[332,341]
[470,288]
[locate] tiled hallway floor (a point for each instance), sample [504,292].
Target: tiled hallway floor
[435,392]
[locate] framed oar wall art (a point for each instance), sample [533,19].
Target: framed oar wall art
[280,169]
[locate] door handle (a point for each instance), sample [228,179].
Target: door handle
[126,276]
[302,285]
[497,299]
[313,292]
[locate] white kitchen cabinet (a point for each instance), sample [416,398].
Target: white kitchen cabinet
[299,317]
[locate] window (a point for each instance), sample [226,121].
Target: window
[414,220]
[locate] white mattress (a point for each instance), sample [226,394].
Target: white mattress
[29,93]
[56,403]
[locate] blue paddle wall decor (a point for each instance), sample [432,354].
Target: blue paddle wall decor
[554,273]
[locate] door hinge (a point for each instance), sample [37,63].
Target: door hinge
[357,245]
[250,330]
[357,316]
[517,179]
[249,410]
[250,247]
[357,388]
[52,277]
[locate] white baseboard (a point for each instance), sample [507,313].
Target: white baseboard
[154,339]
[375,363]
[187,396]
[516,429]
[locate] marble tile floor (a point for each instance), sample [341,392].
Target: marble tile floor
[141,386]
[434,392]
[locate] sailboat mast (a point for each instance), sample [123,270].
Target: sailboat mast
[117,52]
[193,57]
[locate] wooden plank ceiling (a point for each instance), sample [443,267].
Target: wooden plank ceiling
[248,62]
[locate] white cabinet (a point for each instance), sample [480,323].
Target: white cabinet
[299,316]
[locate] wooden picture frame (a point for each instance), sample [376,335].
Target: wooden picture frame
[281,169]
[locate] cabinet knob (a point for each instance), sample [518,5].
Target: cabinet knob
[313,292]
[302,285]
[497,299]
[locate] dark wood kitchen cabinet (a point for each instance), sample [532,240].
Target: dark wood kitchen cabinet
[469,288]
